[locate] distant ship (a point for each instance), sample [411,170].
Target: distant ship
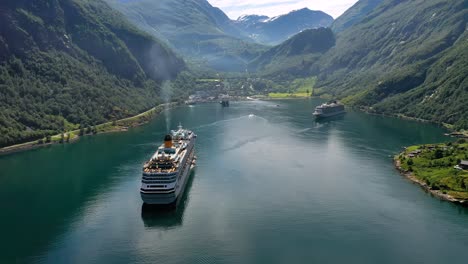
[166,173]
[332,108]
[224,103]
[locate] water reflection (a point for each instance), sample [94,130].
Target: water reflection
[156,216]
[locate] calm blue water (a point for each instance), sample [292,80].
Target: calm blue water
[271,186]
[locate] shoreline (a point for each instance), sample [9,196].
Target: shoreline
[437,193]
[287,98]
[449,127]
[121,125]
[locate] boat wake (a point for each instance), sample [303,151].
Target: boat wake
[303,130]
[242,143]
[249,117]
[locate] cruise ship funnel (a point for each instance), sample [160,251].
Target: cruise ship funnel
[168,141]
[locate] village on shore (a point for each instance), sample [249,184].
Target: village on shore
[441,169]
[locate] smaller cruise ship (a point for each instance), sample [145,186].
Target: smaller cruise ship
[329,109]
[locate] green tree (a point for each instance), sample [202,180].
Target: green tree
[410,162]
[438,154]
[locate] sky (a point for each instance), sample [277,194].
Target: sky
[271,8]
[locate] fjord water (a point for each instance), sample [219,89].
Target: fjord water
[271,186]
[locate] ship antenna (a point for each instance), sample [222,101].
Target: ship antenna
[180,126]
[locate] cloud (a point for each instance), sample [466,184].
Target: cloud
[236,8]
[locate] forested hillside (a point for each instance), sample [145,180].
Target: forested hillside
[199,31]
[73,62]
[296,55]
[405,57]
[442,97]
[355,14]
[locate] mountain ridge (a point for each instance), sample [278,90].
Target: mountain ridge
[277,29]
[354,14]
[205,35]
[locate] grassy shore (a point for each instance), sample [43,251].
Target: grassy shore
[73,135]
[434,168]
[288,95]
[299,88]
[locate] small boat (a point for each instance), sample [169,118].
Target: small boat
[224,103]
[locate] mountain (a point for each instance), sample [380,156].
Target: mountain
[195,28]
[443,95]
[405,58]
[277,29]
[70,62]
[295,55]
[355,14]
[249,22]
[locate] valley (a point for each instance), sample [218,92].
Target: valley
[379,56]
[369,58]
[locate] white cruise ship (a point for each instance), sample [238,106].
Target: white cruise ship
[332,108]
[166,173]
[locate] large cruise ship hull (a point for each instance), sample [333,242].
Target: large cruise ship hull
[319,116]
[170,198]
[161,199]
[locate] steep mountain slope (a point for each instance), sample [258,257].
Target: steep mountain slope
[195,28]
[355,14]
[277,29]
[405,57]
[70,62]
[296,55]
[442,97]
